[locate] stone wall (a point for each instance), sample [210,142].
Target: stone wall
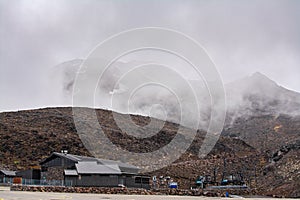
[129,191]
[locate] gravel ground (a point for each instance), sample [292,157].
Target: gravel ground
[5,194]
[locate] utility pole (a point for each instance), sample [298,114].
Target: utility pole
[215,175]
[224,168]
[255,175]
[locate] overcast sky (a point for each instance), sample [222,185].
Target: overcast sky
[241,36]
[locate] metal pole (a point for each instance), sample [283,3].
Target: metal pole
[255,175]
[224,168]
[215,174]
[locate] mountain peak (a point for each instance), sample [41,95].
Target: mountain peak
[259,75]
[256,80]
[262,80]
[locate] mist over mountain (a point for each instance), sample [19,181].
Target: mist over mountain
[261,134]
[250,96]
[257,94]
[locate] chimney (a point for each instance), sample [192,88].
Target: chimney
[64,152]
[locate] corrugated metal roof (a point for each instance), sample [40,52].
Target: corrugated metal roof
[68,156]
[70,172]
[120,164]
[77,158]
[95,168]
[8,173]
[124,167]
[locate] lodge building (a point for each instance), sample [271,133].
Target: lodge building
[85,171]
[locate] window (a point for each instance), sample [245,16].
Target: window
[138,180]
[145,180]
[142,180]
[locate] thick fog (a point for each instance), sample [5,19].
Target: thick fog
[252,95]
[241,37]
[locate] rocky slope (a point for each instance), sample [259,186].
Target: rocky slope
[259,139]
[26,137]
[284,171]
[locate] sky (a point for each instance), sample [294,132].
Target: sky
[241,37]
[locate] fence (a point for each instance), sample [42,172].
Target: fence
[34,182]
[6,181]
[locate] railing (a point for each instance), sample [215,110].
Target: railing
[6,181]
[11,181]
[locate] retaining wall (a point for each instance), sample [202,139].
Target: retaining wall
[129,191]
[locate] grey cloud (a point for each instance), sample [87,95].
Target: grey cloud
[241,37]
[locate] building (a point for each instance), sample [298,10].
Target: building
[7,176]
[88,171]
[34,174]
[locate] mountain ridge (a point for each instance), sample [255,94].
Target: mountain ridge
[29,136]
[245,97]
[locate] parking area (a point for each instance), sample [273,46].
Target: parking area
[6,194]
[10,195]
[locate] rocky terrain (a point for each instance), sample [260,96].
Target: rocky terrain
[260,139]
[272,167]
